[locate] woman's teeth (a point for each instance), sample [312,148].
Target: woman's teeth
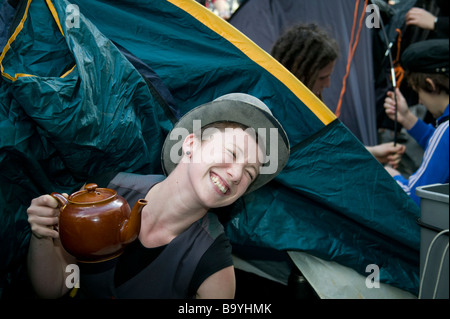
[219,184]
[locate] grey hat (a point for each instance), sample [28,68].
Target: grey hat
[241,108]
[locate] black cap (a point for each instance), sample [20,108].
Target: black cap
[430,56]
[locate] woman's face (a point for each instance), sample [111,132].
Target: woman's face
[223,165]
[323,79]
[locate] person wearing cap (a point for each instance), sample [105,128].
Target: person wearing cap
[215,153]
[427,66]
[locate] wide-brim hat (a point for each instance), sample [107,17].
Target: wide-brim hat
[241,108]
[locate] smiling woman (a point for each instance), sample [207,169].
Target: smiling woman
[246,110]
[181,250]
[228,157]
[240,146]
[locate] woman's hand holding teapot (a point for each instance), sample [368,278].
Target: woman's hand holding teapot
[43,216]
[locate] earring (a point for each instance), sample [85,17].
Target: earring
[188,153]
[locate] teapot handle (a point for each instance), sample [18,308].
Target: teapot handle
[62,201]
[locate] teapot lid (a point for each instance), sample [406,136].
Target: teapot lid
[92,194]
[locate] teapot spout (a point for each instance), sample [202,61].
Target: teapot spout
[131,227]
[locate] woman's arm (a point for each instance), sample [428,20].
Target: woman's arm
[220,285]
[47,260]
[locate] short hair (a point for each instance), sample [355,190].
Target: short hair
[417,81]
[304,50]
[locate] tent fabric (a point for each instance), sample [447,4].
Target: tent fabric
[73,106]
[338,224]
[264,21]
[58,130]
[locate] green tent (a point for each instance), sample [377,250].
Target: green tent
[83,93]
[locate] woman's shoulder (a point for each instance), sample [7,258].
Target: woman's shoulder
[212,225]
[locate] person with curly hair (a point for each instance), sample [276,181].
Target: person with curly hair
[310,54]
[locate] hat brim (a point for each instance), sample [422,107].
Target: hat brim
[231,111]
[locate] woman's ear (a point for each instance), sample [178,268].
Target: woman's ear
[190,142]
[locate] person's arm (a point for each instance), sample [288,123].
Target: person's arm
[432,170]
[420,18]
[220,285]
[404,116]
[434,166]
[387,153]
[422,133]
[47,260]
[425,20]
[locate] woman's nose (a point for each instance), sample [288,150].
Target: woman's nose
[235,172]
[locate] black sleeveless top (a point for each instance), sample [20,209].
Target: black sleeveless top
[175,270]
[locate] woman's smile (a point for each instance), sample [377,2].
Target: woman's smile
[219,183]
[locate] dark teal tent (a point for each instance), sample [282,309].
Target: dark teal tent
[83,93]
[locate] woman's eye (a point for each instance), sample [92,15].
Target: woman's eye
[232,153]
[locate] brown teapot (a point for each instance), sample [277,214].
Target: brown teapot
[95,224]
